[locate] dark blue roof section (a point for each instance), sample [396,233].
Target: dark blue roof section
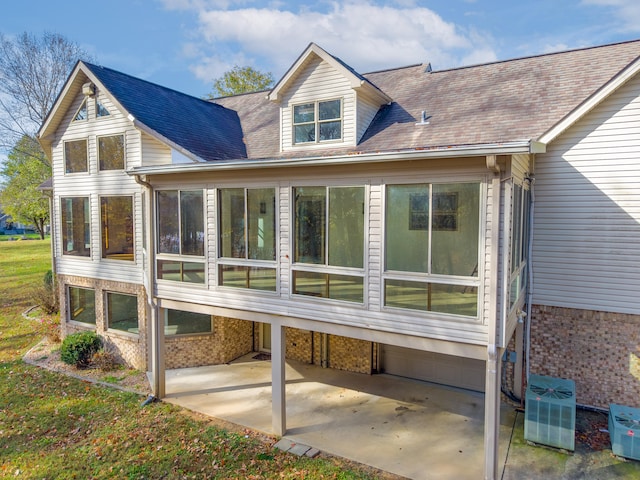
[206,129]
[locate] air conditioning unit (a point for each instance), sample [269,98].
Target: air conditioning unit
[550,412]
[624,430]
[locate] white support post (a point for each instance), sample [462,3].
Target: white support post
[492,413]
[278,380]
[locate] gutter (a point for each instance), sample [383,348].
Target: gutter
[522,146]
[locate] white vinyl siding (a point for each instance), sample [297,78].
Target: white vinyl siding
[95,184]
[586,235]
[154,152]
[319,82]
[366,110]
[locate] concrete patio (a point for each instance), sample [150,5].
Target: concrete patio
[413,429]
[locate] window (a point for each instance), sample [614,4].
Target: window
[178,322]
[329,232]
[101,110]
[432,235]
[82,113]
[75,156]
[82,305]
[76,230]
[180,232]
[117,228]
[317,121]
[519,243]
[247,238]
[111,152]
[122,312]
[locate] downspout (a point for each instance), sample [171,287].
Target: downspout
[157,334]
[492,395]
[527,341]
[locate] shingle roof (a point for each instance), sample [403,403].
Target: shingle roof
[494,103]
[205,129]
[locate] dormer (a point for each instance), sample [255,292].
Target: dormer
[324,103]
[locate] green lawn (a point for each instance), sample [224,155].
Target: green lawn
[57,427]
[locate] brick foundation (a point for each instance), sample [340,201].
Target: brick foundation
[132,349]
[600,351]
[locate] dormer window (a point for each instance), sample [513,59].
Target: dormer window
[317,121]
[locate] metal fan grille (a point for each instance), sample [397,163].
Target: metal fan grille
[627,421]
[551,392]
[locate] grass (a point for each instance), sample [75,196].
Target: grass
[52,426]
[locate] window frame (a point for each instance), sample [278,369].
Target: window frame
[317,122]
[518,270]
[69,313]
[124,153]
[335,272]
[247,263]
[67,171]
[64,225]
[428,278]
[180,259]
[83,106]
[103,255]
[107,313]
[165,316]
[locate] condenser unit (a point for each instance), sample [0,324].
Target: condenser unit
[550,412]
[624,430]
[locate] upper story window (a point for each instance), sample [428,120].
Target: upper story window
[117,227]
[101,110]
[432,235]
[180,232]
[76,156]
[317,121]
[329,242]
[111,152]
[247,238]
[82,113]
[76,228]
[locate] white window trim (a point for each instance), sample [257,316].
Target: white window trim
[124,153]
[64,156]
[317,122]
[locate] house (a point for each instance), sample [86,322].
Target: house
[411,221]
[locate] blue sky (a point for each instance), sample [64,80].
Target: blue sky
[185,44]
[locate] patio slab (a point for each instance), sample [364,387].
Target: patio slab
[413,429]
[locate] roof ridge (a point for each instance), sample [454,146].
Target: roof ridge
[138,79]
[539,55]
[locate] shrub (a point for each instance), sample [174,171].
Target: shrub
[78,348]
[105,360]
[46,294]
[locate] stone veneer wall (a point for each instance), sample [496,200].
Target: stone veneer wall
[132,349]
[600,351]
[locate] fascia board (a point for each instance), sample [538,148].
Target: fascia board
[349,159]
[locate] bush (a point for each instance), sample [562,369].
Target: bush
[78,348]
[46,294]
[105,360]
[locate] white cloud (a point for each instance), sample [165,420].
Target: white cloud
[365,35]
[627,11]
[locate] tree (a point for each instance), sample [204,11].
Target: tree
[240,80]
[33,70]
[24,170]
